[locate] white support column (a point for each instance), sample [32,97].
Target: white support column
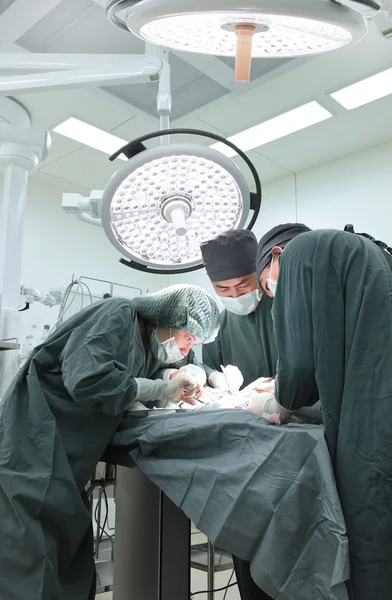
[18,159]
[164,97]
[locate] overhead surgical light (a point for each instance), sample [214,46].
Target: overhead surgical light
[165,201]
[255,28]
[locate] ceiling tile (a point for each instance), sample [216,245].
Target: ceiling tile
[58,183]
[86,167]
[347,133]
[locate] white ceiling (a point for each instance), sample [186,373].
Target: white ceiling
[204,95]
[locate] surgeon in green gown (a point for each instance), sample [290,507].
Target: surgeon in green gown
[246,337]
[333,323]
[58,417]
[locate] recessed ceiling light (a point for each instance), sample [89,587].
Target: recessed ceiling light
[278,127]
[365,91]
[90,136]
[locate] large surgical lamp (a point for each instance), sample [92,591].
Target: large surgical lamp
[246,29]
[165,201]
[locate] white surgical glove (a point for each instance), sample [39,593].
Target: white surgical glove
[234,376]
[217,380]
[196,373]
[180,388]
[164,374]
[265,403]
[263,384]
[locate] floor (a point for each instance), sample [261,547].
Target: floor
[105,596]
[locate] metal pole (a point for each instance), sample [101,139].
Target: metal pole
[14,201]
[97,544]
[210,570]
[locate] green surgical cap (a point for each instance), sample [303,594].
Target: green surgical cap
[181,307]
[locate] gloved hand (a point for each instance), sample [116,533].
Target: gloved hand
[234,375]
[180,388]
[165,374]
[196,373]
[217,380]
[263,384]
[265,403]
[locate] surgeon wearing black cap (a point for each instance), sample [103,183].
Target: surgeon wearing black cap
[333,324]
[246,337]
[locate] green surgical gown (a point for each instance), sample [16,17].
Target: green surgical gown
[55,422]
[248,342]
[333,324]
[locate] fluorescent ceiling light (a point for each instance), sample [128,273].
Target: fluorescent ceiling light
[278,127]
[365,91]
[90,136]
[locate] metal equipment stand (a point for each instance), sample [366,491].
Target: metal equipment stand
[152,545]
[205,557]
[211,570]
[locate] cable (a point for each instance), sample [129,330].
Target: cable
[88,289]
[63,307]
[228,583]
[101,529]
[222,589]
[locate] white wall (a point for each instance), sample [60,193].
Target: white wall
[355,190]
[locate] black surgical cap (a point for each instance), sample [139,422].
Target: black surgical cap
[278,236]
[230,255]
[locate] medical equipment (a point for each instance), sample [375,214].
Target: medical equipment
[51,298]
[246,29]
[80,287]
[226,376]
[165,201]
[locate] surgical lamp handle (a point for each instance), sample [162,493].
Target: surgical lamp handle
[136,146]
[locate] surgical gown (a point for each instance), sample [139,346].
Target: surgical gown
[333,324]
[55,422]
[248,342]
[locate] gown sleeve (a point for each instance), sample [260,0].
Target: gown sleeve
[212,356]
[96,358]
[295,383]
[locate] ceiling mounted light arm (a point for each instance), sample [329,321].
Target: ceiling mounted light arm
[133,148]
[366,7]
[115,6]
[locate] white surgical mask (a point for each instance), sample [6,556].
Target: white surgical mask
[166,352]
[243,305]
[272,284]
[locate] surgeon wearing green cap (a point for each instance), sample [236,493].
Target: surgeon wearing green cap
[333,322]
[246,337]
[59,415]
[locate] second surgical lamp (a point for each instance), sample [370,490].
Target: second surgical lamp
[165,201]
